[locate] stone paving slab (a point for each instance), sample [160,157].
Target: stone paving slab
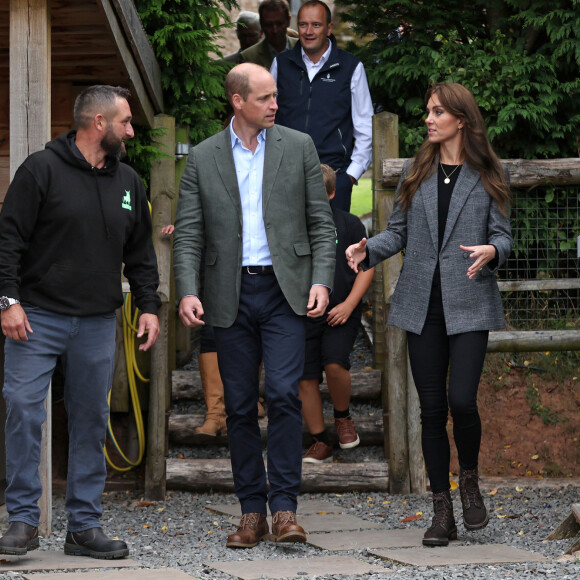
[162,574]
[304,507]
[337,541]
[335,523]
[292,567]
[458,555]
[39,560]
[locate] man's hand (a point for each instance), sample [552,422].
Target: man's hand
[15,323]
[148,323]
[356,253]
[317,301]
[191,311]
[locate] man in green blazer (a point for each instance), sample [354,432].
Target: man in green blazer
[253,198]
[274,20]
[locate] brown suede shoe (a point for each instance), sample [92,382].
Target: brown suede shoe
[252,529]
[285,528]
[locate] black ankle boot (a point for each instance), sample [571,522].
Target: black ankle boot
[95,544]
[443,526]
[19,539]
[475,516]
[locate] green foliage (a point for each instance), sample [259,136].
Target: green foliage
[520,58]
[182,33]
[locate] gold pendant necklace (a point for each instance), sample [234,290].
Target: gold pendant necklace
[447,180]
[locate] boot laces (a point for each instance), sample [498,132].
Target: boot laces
[285,517]
[469,487]
[441,512]
[249,521]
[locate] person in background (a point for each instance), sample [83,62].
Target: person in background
[451,218]
[73,218]
[323,91]
[248,32]
[274,20]
[252,198]
[330,338]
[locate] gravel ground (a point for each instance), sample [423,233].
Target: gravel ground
[181,533]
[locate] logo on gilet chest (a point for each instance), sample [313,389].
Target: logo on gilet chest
[126,202]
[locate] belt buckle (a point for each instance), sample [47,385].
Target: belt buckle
[251,273]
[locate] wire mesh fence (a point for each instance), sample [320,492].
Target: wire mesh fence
[541,278]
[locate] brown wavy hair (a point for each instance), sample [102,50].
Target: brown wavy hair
[477,150]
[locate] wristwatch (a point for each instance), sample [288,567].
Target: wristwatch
[6,303]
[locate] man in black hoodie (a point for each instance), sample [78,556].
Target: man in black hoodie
[73,215]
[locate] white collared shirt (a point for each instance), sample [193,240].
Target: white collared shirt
[250,174]
[361,110]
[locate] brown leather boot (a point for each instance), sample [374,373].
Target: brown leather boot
[443,526]
[252,529]
[285,528]
[475,516]
[213,392]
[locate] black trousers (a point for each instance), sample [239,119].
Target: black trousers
[434,356]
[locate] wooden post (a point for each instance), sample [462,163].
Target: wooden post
[390,343]
[30,122]
[162,194]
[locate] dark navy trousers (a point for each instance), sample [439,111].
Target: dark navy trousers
[266,327]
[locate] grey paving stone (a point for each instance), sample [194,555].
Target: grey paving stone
[335,523]
[457,555]
[338,541]
[161,574]
[304,507]
[50,560]
[291,567]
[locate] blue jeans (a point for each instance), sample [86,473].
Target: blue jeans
[87,348]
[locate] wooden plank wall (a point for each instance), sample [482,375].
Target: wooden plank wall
[63,95]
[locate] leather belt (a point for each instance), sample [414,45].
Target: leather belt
[258,270]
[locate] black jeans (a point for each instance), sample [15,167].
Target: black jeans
[433,355]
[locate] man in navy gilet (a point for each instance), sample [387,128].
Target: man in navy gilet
[323,91]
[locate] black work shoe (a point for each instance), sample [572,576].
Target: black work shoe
[443,526]
[18,539]
[95,544]
[475,516]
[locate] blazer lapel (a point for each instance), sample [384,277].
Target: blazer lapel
[428,192]
[224,160]
[466,181]
[272,162]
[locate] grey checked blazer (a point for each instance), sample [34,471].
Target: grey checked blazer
[473,219]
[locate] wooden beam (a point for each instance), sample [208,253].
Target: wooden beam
[142,50]
[216,475]
[533,340]
[29,131]
[135,80]
[523,172]
[366,384]
[162,192]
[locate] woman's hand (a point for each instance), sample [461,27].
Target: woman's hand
[482,255]
[356,253]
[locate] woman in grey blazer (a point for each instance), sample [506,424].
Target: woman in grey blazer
[451,218]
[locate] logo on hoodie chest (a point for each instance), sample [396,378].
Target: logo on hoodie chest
[126,201]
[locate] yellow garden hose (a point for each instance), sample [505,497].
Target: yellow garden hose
[130,329]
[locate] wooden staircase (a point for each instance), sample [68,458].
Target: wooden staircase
[215,474]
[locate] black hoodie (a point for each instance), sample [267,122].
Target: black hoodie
[66,228]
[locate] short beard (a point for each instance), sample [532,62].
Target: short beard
[113,146]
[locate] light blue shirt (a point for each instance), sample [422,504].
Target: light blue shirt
[250,175]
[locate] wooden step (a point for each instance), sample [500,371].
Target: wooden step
[216,475]
[366,385]
[370,430]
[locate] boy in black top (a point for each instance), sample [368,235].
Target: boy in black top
[330,338]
